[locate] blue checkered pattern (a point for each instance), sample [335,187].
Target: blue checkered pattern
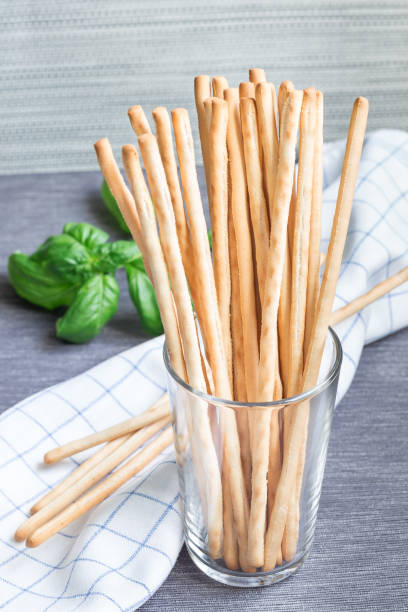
[117,555]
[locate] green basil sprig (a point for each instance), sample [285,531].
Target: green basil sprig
[112,206]
[76,269]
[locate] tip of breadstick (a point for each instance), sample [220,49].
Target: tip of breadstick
[309,92]
[50,457]
[159,112]
[361,101]
[179,113]
[101,144]
[129,150]
[18,537]
[31,542]
[202,86]
[230,94]
[257,75]
[135,110]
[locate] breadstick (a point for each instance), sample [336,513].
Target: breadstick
[211,322]
[375,293]
[242,229]
[202,91]
[165,142]
[313,277]
[159,410]
[102,490]
[322,259]
[231,555]
[258,207]
[80,471]
[300,253]
[155,255]
[285,88]
[257,75]
[119,190]
[291,462]
[169,240]
[211,327]
[246,90]
[238,359]
[300,245]
[265,96]
[138,120]
[219,85]
[89,479]
[268,358]
[284,320]
[219,199]
[283,191]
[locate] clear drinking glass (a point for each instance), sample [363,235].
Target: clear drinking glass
[201,423]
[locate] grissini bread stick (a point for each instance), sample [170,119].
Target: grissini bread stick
[284,320]
[257,75]
[375,293]
[80,471]
[300,244]
[231,554]
[159,410]
[155,256]
[168,235]
[291,461]
[246,90]
[242,229]
[103,490]
[300,256]
[138,120]
[258,206]
[163,295]
[119,190]
[268,357]
[212,328]
[322,259]
[219,199]
[283,192]
[202,91]
[165,141]
[265,97]
[285,88]
[211,322]
[89,479]
[219,85]
[238,359]
[208,114]
[313,277]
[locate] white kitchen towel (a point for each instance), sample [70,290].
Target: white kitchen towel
[117,555]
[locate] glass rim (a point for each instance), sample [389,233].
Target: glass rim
[290,401]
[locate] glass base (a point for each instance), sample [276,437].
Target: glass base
[222,574]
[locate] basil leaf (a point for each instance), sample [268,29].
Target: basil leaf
[95,303]
[111,205]
[117,254]
[67,257]
[142,294]
[87,234]
[210,238]
[39,285]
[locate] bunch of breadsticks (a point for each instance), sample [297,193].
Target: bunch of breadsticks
[260,307]
[256,303]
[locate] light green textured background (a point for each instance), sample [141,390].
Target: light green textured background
[70,70]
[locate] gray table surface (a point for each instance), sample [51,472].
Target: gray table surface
[359,559]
